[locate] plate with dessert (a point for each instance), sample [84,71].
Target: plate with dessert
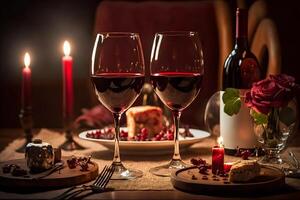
[45,167]
[243,177]
[145,130]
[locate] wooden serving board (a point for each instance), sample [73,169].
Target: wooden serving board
[270,179]
[64,177]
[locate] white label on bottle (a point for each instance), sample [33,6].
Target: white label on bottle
[237,130]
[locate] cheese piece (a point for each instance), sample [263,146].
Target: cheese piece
[149,117]
[244,171]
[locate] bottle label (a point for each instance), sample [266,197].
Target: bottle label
[237,130]
[250,72]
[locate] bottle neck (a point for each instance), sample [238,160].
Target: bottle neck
[241,22]
[241,32]
[241,43]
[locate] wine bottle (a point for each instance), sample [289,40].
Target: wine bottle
[241,70]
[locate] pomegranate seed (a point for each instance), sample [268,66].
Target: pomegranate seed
[144,131]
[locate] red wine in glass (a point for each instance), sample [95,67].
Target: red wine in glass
[177,89]
[177,69]
[118,91]
[118,74]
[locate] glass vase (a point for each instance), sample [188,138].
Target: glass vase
[274,135]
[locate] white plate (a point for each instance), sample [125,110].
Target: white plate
[150,147]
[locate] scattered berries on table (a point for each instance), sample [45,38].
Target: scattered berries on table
[81,161]
[143,135]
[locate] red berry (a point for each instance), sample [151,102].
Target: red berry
[245,154]
[198,162]
[203,170]
[161,133]
[72,163]
[136,138]
[123,134]
[144,131]
[109,130]
[97,135]
[170,136]
[158,137]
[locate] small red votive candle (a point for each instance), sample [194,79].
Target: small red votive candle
[217,165]
[227,167]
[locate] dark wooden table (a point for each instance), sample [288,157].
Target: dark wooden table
[291,191]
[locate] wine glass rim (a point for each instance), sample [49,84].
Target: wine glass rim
[177,33]
[118,34]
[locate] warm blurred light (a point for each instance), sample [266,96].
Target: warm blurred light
[26,59]
[220,141]
[67,48]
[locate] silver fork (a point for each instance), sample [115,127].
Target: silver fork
[296,163]
[98,185]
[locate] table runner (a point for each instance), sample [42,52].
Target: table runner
[102,157]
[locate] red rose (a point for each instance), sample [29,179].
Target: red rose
[272,92]
[284,81]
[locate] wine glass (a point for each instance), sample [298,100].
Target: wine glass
[177,70]
[117,73]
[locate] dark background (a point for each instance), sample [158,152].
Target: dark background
[40,27]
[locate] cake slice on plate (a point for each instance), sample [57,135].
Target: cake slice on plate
[149,117]
[244,171]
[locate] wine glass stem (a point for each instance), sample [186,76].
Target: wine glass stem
[117,117]
[176,116]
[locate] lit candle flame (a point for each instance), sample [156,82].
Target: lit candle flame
[26,59]
[67,48]
[220,141]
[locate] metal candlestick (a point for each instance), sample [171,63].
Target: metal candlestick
[70,144]
[26,123]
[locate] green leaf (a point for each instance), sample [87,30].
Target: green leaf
[232,107]
[229,94]
[259,118]
[287,116]
[232,101]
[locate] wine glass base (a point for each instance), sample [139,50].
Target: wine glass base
[271,160]
[122,173]
[166,170]
[271,157]
[71,145]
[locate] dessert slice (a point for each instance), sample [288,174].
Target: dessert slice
[149,117]
[244,171]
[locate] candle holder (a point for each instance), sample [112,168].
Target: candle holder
[70,144]
[27,124]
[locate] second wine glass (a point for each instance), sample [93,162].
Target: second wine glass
[117,74]
[176,75]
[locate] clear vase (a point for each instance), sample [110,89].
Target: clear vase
[274,135]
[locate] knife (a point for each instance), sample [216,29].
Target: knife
[57,166]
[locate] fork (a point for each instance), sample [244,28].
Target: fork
[97,187]
[296,163]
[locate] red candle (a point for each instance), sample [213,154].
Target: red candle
[26,83]
[217,165]
[68,100]
[227,167]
